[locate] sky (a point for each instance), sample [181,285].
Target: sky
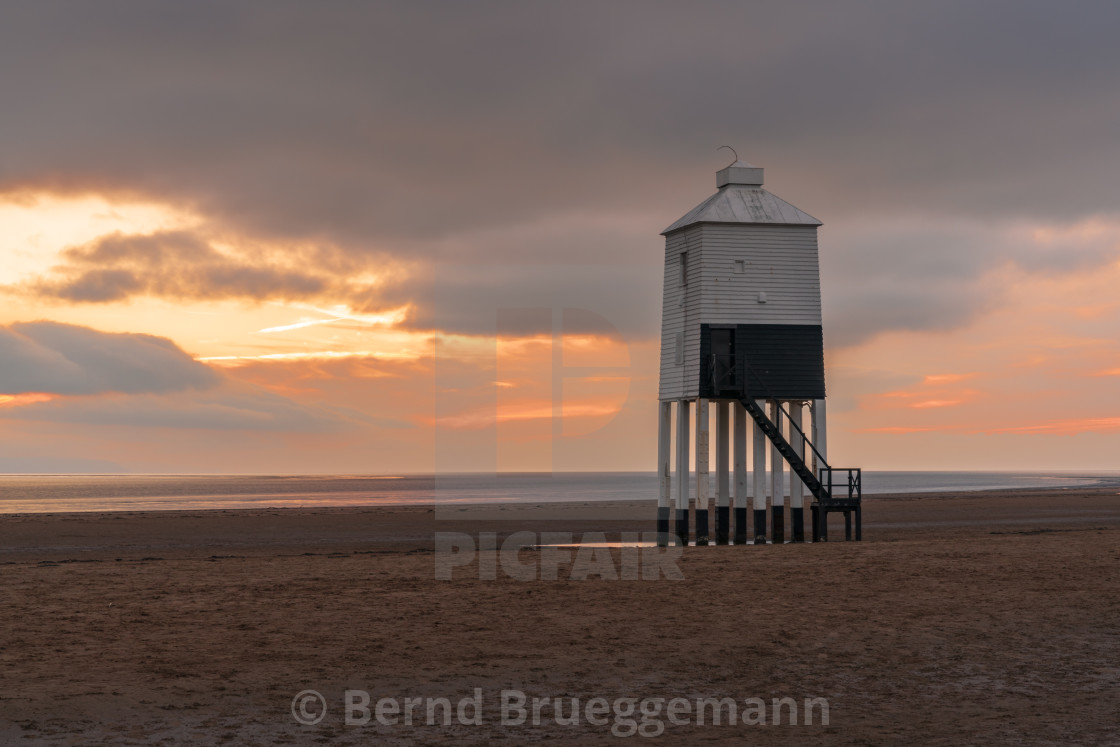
[348,237]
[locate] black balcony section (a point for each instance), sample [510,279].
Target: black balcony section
[786,361]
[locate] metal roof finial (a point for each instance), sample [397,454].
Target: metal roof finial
[733,151]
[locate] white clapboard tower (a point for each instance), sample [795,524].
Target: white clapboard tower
[741,332]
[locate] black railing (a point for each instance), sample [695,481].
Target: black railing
[820,460]
[853,504]
[855,481]
[723,379]
[825,470]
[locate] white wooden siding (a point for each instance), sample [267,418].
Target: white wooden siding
[678,317]
[780,260]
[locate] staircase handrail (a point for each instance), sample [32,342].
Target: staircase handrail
[821,462]
[855,489]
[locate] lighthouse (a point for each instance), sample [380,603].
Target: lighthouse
[742,344]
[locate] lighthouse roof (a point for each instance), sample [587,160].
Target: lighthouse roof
[741,199]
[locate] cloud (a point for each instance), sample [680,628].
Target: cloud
[183,265]
[919,274]
[369,122]
[505,132]
[518,299]
[56,358]
[232,407]
[111,379]
[43,464]
[1062,427]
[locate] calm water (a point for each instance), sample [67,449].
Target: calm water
[50,493]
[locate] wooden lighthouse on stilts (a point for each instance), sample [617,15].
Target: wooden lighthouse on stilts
[741,335]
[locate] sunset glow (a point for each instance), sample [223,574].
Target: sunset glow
[1041,337]
[383,281]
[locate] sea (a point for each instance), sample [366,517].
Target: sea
[67,493]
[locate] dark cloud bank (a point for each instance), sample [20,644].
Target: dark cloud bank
[184,265]
[386,128]
[144,381]
[58,358]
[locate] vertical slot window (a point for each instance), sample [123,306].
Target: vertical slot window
[684,270]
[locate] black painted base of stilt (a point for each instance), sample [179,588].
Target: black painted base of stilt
[820,521]
[740,526]
[682,526]
[662,526]
[723,521]
[777,524]
[797,524]
[760,526]
[701,526]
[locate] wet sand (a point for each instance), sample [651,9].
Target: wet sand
[978,617]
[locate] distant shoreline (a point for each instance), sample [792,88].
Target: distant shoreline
[74,494]
[1104,485]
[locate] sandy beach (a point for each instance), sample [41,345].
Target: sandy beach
[978,617]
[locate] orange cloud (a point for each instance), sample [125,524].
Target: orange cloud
[595,350]
[539,410]
[898,429]
[341,312]
[1067,427]
[1070,427]
[1032,361]
[921,399]
[1093,311]
[15,400]
[936,403]
[313,355]
[520,397]
[947,378]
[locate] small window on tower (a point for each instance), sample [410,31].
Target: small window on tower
[684,269]
[740,266]
[679,356]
